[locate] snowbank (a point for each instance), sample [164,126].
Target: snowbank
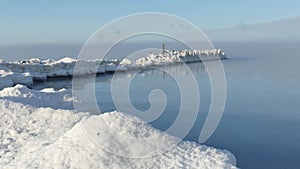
[26,71]
[44,134]
[61,99]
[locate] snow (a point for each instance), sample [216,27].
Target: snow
[26,71]
[61,99]
[40,129]
[8,78]
[67,60]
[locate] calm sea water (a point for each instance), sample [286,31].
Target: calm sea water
[261,120]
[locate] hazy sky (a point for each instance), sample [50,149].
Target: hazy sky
[74,21]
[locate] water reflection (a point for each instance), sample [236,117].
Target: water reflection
[66,82]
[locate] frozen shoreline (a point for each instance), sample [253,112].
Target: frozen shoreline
[37,132]
[41,129]
[27,71]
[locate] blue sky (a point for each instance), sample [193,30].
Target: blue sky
[74,21]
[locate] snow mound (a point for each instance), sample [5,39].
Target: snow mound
[76,150]
[25,129]
[35,134]
[67,60]
[61,99]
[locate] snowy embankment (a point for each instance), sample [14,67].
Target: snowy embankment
[40,129]
[27,71]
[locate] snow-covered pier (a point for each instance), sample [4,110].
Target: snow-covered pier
[27,71]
